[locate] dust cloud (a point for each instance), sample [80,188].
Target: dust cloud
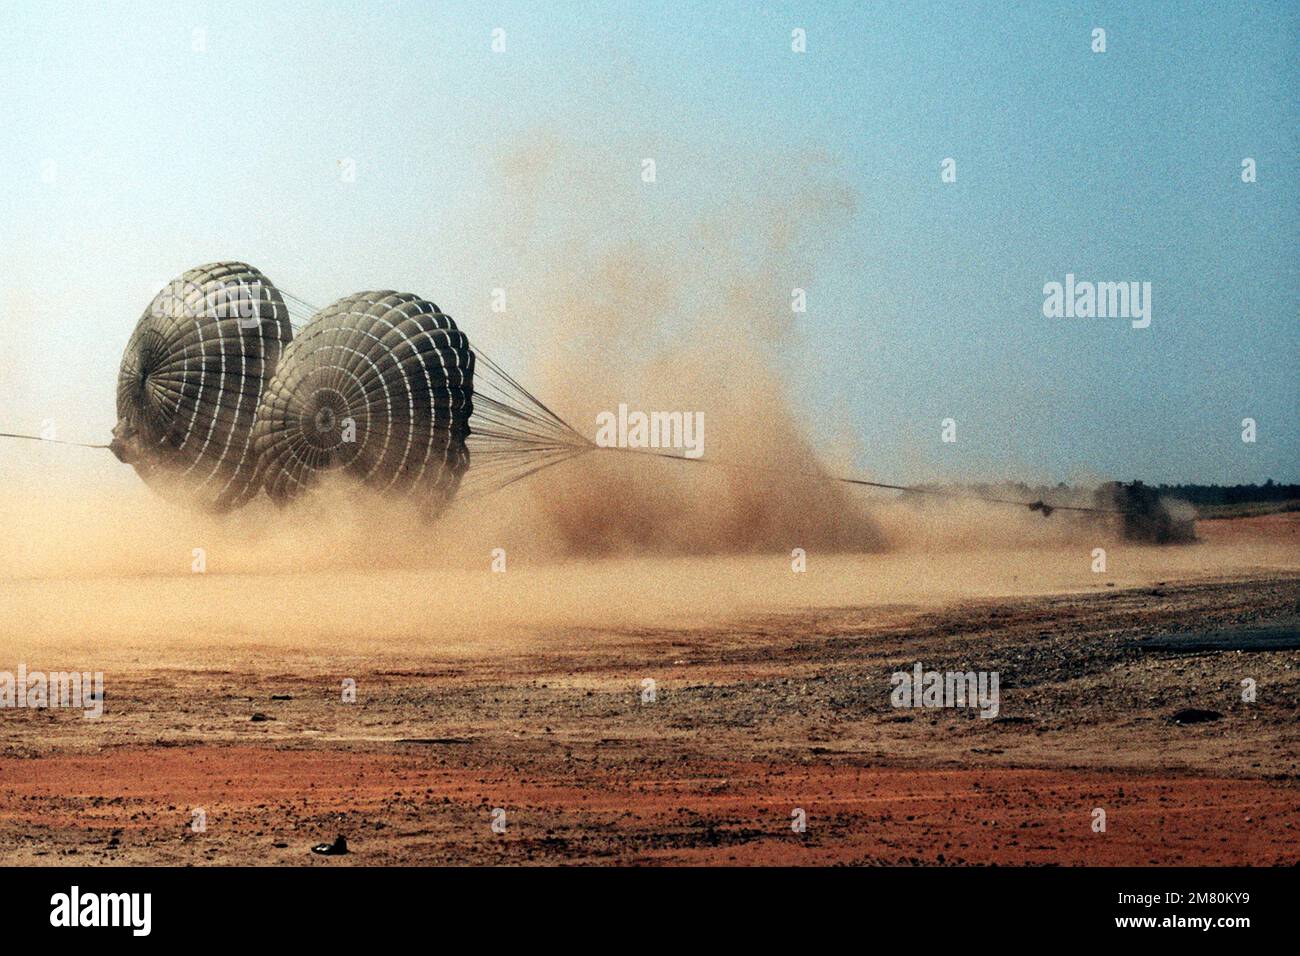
[692,316]
[660,314]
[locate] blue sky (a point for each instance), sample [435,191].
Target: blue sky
[130,156]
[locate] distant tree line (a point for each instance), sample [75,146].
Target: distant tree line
[1231,494]
[1195,494]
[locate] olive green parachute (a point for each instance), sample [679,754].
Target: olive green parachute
[191,380]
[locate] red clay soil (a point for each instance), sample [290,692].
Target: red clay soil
[429,805]
[756,717]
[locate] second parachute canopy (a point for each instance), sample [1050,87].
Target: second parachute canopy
[377,387]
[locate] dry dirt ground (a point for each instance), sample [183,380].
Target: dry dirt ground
[758,713]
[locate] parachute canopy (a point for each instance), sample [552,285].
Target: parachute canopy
[191,380]
[377,387]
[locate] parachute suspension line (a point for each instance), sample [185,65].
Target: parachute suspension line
[52,441]
[513,434]
[300,310]
[515,413]
[1040,505]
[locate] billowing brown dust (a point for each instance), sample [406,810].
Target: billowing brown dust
[661,319]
